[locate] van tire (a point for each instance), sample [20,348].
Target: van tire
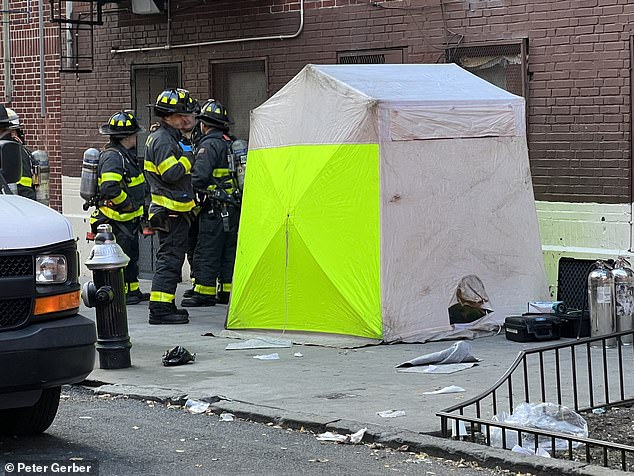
[34,419]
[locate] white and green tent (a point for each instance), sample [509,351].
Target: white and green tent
[371,191]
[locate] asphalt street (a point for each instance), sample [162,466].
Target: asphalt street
[128,437]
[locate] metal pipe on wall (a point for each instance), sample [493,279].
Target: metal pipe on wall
[6,47]
[221,42]
[42,63]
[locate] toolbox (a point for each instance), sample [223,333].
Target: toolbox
[532,328]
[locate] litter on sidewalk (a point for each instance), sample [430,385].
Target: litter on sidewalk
[178,355]
[459,352]
[449,389]
[436,369]
[259,344]
[274,356]
[391,413]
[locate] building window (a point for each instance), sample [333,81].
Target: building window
[147,83]
[394,56]
[503,65]
[241,86]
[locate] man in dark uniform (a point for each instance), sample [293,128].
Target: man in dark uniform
[167,171]
[122,194]
[217,239]
[13,132]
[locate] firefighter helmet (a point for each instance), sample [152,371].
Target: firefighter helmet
[174,101]
[14,119]
[193,106]
[4,118]
[121,124]
[214,113]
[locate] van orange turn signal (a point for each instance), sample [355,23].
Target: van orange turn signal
[59,302]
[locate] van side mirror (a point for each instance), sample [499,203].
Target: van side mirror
[11,160]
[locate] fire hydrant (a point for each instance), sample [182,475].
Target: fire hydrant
[107,295]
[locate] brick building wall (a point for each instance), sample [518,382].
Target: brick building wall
[42,127]
[578,68]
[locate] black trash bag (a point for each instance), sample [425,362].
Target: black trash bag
[178,355]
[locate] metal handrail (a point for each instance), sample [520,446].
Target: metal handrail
[504,388]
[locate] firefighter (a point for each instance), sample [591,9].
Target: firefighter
[122,194]
[220,213]
[190,133]
[13,131]
[167,170]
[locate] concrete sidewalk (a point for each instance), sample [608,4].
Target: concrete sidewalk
[339,389]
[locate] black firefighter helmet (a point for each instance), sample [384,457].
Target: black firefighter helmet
[121,124]
[213,113]
[174,101]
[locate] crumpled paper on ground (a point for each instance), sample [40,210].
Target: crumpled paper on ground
[449,389]
[354,438]
[391,413]
[459,352]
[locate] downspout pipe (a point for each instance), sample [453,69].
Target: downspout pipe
[42,65]
[6,46]
[220,42]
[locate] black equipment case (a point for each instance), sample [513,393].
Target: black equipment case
[532,328]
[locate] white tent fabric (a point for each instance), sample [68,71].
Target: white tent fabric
[456,195]
[340,104]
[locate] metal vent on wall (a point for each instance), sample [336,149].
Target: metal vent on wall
[394,56]
[362,59]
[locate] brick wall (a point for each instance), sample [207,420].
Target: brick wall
[42,130]
[579,100]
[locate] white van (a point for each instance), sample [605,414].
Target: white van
[44,342]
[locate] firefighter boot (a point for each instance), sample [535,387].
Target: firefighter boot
[189,292]
[222,297]
[199,300]
[135,297]
[166,313]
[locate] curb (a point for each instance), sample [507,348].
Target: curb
[436,446]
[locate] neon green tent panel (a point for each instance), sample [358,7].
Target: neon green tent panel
[308,250]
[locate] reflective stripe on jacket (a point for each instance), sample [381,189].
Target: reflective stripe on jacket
[121,183]
[211,161]
[167,169]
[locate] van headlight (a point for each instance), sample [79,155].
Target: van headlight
[50,269]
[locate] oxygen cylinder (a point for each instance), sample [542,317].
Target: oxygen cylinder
[42,189]
[239,149]
[624,297]
[88,180]
[601,303]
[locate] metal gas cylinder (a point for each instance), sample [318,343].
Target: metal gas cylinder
[88,181]
[601,302]
[624,297]
[42,177]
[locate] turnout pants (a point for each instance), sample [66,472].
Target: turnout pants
[169,260]
[215,252]
[127,236]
